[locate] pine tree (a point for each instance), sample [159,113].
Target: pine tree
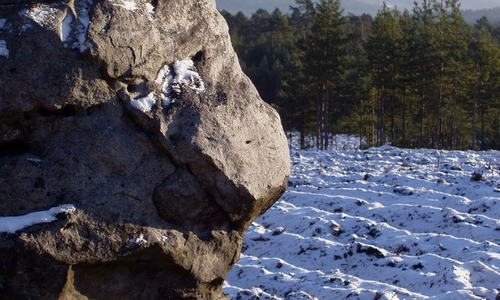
[487,87]
[383,48]
[407,27]
[296,103]
[356,94]
[459,68]
[414,79]
[426,67]
[326,58]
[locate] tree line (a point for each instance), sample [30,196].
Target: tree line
[419,78]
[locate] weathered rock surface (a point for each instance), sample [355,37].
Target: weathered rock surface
[137,114]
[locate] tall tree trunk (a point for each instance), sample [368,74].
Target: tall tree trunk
[302,130]
[422,119]
[497,136]
[319,100]
[403,125]
[393,122]
[474,116]
[454,114]
[381,121]
[373,120]
[483,142]
[360,124]
[437,140]
[326,112]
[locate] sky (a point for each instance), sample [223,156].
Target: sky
[356,7]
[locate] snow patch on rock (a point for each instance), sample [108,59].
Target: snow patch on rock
[3,23]
[72,28]
[150,11]
[172,79]
[185,76]
[140,240]
[13,224]
[128,5]
[66,27]
[79,31]
[144,104]
[4,51]
[43,15]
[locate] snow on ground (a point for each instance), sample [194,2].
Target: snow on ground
[381,223]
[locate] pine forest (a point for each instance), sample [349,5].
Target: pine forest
[419,78]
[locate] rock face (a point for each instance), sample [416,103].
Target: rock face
[137,115]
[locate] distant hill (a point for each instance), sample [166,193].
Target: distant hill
[471,16]
[358,7]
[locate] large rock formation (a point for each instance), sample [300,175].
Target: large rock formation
[133,123]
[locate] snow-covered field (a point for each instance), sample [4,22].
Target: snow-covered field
[382,223]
